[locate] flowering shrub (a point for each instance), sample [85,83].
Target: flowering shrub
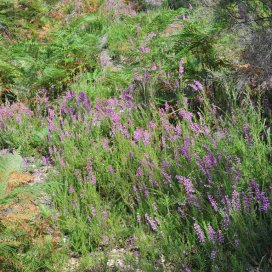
[165,172]
[142,161]
[13,112]
[184,185]
[20,129]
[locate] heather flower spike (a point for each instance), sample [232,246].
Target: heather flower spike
[181,68]
[199,233]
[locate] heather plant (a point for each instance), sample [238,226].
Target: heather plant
[164,181]
[152,150]
[164,177]
[19,116]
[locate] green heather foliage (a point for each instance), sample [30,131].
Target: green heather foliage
[154,146]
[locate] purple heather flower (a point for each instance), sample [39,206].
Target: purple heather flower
[185,115]
[105,143]
[167,178]
[81,96]
[186,141]
[130,122]
[71,189]
[195,127]
[226,202]
[146,137]
[138,134]
[137,77]
[146,192]
[138,217]
[261,197]
[154,67]
[213,254]
[166,106]
[163,142]
[87,104]
[19,119]
[50,124]
[194,87]
[89,167]
[127,99]
[176,84]
[247,134]
[151,124]
[210,160]
[181,212]
[111,170]
[71,112]
[221,237]
[181,67]
[199,233]
[139,172]
[145,49]
[62,162]
[185,153]
[165,164]
[178,130]
[213,202]
[115,118]
[187,183]
[45,160]
[51,113]
[265,203]
[198,84]
[212,234]
[226,221]
[236,204]
[93,179]
[153,182]
[152,223]
[186,268]
[246,202]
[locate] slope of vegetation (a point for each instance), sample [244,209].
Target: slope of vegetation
[153,119]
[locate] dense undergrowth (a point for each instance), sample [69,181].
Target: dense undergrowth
[157,147]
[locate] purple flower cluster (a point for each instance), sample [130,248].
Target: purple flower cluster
[142,134]
[188,185]
[15,111]
[90,174]
[260,196]
[152,223]
[196,86]
[199,233]
[213,202]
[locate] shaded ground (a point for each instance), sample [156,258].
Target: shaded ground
[23,219]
